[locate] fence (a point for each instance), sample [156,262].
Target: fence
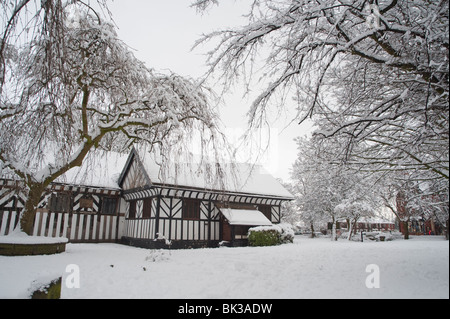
[77,227]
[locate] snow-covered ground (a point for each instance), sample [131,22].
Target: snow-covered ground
[308,268]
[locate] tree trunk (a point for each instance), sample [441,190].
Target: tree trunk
[312,231]
[350,230]
[446,229]
[333,231]
[406,229]
[34,196]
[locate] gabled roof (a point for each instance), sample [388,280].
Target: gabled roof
[109,169]
[133,158]
[232,178]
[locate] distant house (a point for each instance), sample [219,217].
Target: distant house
[419,221]
[366,224]
[131,199]
[375,224]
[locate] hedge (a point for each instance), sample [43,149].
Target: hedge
[270,235]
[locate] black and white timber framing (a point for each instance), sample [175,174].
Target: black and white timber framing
[138,211]
[166,223]
[80,213]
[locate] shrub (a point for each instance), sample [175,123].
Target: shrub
[271,235]
[264,236]
[48,291]
[287,233]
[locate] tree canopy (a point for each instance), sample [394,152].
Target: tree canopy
[372,73]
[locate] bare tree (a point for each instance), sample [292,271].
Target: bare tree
[69,86]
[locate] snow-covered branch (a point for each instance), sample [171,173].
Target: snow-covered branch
[74,87]
[371,73]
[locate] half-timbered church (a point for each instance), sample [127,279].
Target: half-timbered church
[132,200]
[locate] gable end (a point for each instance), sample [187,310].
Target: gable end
[134,175]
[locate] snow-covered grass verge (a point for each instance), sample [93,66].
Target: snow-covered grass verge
[308,268]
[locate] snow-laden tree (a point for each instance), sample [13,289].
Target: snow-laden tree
[305,201]
[290,212]
[373,72]
[318,185]
[69,85]
[354,209]
[327,191]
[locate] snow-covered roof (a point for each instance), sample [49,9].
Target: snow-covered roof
[98,170]
[237,178]
[245,217]
[104,169]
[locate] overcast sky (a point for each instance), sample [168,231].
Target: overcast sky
[163,33]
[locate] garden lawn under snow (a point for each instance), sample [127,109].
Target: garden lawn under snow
[308,268]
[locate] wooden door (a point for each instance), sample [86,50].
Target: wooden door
[226,230]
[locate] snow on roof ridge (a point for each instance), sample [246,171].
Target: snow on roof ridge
[104,168]
[237,177]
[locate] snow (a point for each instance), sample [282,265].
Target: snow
[245,217]
[99,169]
[283,228]
[19,237]
[308,268]
[240,177]
[103,169]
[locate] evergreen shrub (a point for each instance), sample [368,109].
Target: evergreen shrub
[264,236]
[270,235]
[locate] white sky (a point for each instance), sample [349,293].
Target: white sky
[163,33]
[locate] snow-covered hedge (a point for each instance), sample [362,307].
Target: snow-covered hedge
[270,235]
